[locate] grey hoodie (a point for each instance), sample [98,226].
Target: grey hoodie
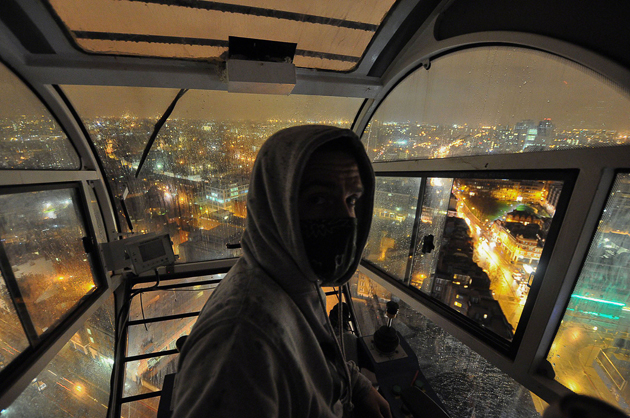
[262,346]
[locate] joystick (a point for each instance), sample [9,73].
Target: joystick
[385,338]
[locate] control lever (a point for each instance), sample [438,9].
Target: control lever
[385,338]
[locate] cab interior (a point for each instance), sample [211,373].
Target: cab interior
[499,134]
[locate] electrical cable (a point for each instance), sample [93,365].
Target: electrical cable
[341,322]
[347,400]
[142,310]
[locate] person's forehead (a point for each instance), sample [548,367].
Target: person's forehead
[331,164]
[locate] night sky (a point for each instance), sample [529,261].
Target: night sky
[503,86]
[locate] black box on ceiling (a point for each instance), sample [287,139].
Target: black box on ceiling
[261,50]
[259,66]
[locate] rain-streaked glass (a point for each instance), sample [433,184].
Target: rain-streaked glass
[12,337]
[30,138]
[494,234]
[497,100]
[76,383]
[389,243]
[144,408]
[157,336]
[435,205]
[147,375]
[477,243]
[331,35]
[591,351]
[467,384]
[42,235]
[195,180]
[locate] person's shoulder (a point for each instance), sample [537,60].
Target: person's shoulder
[242,312]
[244,295]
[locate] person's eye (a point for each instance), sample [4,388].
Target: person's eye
[317,200]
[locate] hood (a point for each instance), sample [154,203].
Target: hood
[272,239]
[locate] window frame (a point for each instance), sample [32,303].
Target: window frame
[166,274]
[29,363]
[595,177]
[596,169]
[88,175]
[508,348]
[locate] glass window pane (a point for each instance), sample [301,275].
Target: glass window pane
[145,376]
[330,35]
[465,382]
[30,137]
[12,337]
[389,242]
[76,382]
[195,179]
[492,100]
[591,351]
[145,408]
[493,238]
[42,234]
[157,336]
[436,204]
[478,241]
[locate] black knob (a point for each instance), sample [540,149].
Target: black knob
[392,308]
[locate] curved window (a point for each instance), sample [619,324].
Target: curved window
[497,100]
[194,182]
[30,138]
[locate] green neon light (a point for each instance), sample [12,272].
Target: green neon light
[599,300]
[599,314]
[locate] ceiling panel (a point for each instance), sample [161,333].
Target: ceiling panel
[331,35]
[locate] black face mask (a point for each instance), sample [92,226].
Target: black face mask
[331,246]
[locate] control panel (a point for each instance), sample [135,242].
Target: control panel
[400,380]
[140,253]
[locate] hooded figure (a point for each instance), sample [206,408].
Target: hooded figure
[263,345]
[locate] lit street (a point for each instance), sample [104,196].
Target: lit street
[579,344]
[503,286]
[498,269]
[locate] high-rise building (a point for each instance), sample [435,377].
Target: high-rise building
[545,132]
[526,131]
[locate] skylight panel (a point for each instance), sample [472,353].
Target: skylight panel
[331,35]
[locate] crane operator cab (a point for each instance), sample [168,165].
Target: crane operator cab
[495,275]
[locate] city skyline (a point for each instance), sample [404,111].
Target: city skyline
[174,192]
